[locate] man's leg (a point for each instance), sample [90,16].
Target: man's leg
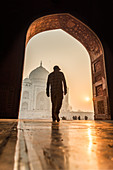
[59,105]
[54,107]
[53,115]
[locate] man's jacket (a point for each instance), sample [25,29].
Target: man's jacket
[56,81]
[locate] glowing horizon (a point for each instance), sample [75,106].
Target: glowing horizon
[57,47]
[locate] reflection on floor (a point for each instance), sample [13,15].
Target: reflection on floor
[8,139]
[68,145]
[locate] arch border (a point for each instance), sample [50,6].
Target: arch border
[91,42]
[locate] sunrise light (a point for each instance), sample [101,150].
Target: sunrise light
[87,99]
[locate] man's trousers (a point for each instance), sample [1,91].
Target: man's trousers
[56,100]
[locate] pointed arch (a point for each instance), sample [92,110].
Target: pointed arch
[91,42]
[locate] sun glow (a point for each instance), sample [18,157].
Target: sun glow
[87,99]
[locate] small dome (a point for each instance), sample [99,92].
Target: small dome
[27,80]
[39,73]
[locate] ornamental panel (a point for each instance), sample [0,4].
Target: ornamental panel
[100,105]
[97,66]
[99,90]
[98,78]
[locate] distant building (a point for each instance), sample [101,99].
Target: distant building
[73,115]
[34,102]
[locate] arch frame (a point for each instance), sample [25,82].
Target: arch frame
[91,42]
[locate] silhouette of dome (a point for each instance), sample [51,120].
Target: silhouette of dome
[39,73]
[27,80]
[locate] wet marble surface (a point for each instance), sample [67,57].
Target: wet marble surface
[68,145]
[8,138]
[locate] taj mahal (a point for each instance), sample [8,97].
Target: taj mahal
[34,102]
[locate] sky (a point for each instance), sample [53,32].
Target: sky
[56,47]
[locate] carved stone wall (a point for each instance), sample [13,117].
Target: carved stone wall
[91,42]
[100,105]
[71,25]
[99,90]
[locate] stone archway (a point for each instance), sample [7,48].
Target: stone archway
[91,42]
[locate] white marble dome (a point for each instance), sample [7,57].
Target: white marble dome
[27,80]
[39,73]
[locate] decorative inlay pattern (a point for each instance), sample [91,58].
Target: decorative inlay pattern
[98,78]
[97,66]
[99,90]
[100,105]
[72,26]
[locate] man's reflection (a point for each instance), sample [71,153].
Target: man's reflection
[56,155]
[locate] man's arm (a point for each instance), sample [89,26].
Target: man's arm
[47,87]
[65,86]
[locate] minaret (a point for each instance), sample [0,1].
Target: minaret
[41,64]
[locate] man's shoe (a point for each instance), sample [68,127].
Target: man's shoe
[54,120]
[58,120]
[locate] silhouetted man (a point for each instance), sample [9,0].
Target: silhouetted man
[55,81]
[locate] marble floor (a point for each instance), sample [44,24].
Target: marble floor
[68,145]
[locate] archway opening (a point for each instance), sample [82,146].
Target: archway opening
[43,51]
[92,44]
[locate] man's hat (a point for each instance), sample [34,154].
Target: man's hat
[56,68]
